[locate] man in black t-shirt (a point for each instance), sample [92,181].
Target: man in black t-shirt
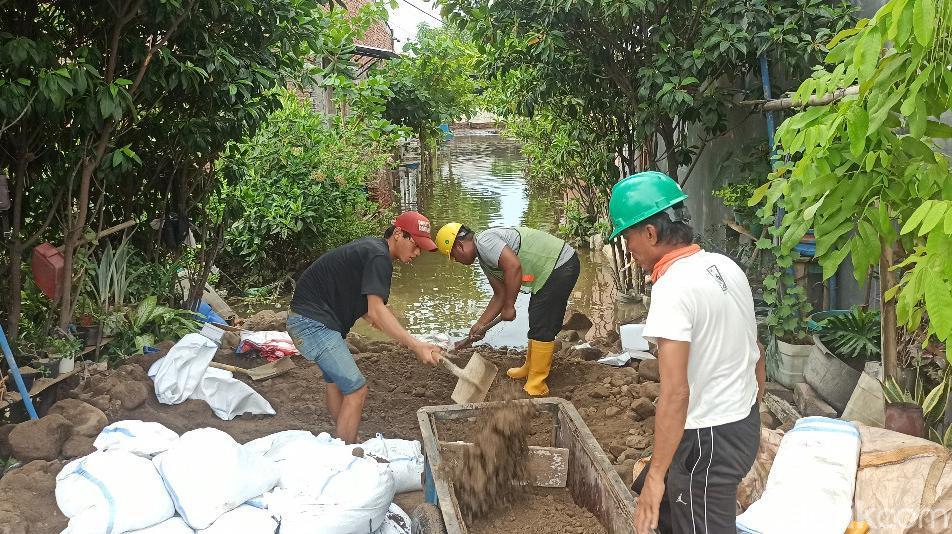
[343,285]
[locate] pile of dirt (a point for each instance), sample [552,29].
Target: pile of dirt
[491,472]
[540,511]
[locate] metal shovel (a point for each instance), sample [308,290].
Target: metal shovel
[262,372]
[476,378]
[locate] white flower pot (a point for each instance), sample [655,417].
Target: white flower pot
[793,361]
[66,365]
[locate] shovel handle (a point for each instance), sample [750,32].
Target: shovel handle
[227,367]
[451,367]
[467,341]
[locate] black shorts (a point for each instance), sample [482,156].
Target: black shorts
[547,306]
[701,484]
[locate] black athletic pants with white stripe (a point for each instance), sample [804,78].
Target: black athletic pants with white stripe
[701,484]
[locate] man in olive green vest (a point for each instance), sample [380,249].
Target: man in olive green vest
[517,259]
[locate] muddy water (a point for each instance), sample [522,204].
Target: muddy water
[480,184]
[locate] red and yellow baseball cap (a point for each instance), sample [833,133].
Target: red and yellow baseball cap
[417,226]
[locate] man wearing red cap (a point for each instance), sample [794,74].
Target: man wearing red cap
[343,285]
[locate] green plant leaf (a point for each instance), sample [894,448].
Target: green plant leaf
[866,55]
[917,216]
[923,21]
[938,300]
[932,218]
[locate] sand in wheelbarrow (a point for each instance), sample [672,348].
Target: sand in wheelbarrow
[490,481]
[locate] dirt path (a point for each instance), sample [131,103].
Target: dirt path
[399,386]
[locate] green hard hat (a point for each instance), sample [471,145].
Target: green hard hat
[640,196]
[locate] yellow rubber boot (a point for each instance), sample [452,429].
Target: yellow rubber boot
[521,372]
[539,367]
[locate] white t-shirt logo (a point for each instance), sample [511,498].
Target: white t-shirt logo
[716,274]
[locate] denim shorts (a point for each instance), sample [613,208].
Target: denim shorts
[328,350]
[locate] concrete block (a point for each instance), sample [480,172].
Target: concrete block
[809,402]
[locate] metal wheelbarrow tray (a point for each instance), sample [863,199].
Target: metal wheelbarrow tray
[590,478]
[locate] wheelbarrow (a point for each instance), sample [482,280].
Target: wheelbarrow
[574,461]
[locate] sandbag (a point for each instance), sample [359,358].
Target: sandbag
[175,525]
[111,492]
[352,500]
[751,488]
[405,457]
[178,373]
[207,474]
[811,482]
[243,520]
[229,397]
[141,438]
[397,522]
[303,461]
[899,481]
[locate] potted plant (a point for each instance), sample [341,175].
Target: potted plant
[735,196]
[842,346]
[64,350]
[787,321]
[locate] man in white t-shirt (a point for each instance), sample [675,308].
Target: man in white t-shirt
[707,425]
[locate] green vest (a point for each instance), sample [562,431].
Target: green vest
[538,253]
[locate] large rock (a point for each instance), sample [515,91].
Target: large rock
[648,370]
[809,402]
[601,392]
[576,320]
[131,395]
[642,409]
[5,430]
[589,353]
[28,501]
[77,446]
[86,420]
[651,390]
[41,439]
[267,320]
[612,411]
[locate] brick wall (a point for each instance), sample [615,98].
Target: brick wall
[379,35]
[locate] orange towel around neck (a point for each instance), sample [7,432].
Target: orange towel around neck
[662,266]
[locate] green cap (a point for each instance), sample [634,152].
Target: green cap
[640,196]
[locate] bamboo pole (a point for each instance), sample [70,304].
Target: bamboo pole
[887,279]
[787,103]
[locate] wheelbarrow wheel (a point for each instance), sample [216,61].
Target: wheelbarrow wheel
[427,519]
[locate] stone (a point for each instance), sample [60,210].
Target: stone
[607,381]
[600,392]
[642,408]
[230,340]
[624,471]
[779,391]
[419,392]
[651,390]
[612,411]
[5,451]
[617,448]
[267,320]
[625,389]
[77,446]
[768,419]
[130,395]
[638,441]
[568,337]
[809,402]
[576,320]
[86,420]
[42,439]
[623,401]
[648,370]
[589,354]
[612,337]
[630,373]
[134,372]
[619,380]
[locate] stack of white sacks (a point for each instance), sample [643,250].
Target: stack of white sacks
[144,478]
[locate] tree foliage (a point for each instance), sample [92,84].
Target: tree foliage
[649,74]
[865,172]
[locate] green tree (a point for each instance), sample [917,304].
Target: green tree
[864,171]
[432,84]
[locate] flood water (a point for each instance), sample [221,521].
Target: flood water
[480,183]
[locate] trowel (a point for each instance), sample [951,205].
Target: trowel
[476,378]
